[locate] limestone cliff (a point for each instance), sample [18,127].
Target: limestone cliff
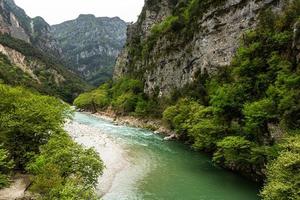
[173,40]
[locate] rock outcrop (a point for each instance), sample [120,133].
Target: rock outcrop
[36,31]
[91,45]
[206,43]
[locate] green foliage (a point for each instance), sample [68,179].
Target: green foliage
[257,116]
[73,189]
[228,100]
[125,96]
[32,136]
[284,173]
[164,26]
[98,98]
[144,107]
[64,170]
[28,120]
[233,150]
[192,120]
[125,102]
[6,166]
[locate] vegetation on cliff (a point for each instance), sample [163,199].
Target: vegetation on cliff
[32,140]
[246,115]
[53,78]
[252,108]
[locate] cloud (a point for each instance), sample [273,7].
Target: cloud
[57,11]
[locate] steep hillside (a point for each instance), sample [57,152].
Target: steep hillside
[91,45]
[27,52]
[174,40]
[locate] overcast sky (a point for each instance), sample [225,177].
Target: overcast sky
[57,11]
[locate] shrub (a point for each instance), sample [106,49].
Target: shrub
[6,165]
[28,120]
[62,162]
[283,173]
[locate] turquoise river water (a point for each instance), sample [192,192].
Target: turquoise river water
[167,170]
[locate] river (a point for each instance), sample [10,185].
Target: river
[141,166]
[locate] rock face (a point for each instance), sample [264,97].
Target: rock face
[27,52]
[91,45]
[176,56]
[15,22]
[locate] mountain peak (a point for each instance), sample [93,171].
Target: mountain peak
[86,16]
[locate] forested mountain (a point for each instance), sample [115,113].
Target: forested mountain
[28,55]
[91,45]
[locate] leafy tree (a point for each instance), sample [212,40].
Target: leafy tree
[283,174]
[233,150]
[257,116]
[27,121]
[64,167]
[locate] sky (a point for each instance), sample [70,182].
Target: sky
[57,11]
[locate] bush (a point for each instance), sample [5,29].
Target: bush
[6,166]
[283,173]
[27,121]
[64,167]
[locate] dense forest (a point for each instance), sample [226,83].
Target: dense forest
[245,115]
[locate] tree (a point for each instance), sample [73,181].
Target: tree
[27,120]
[65,170]
[257,116]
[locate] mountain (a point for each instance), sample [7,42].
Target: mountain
[17,24]
[28,55]
[91,45]
[173,40]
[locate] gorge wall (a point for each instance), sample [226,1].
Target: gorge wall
[173,41]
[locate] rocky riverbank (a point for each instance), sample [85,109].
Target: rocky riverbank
[156,125]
